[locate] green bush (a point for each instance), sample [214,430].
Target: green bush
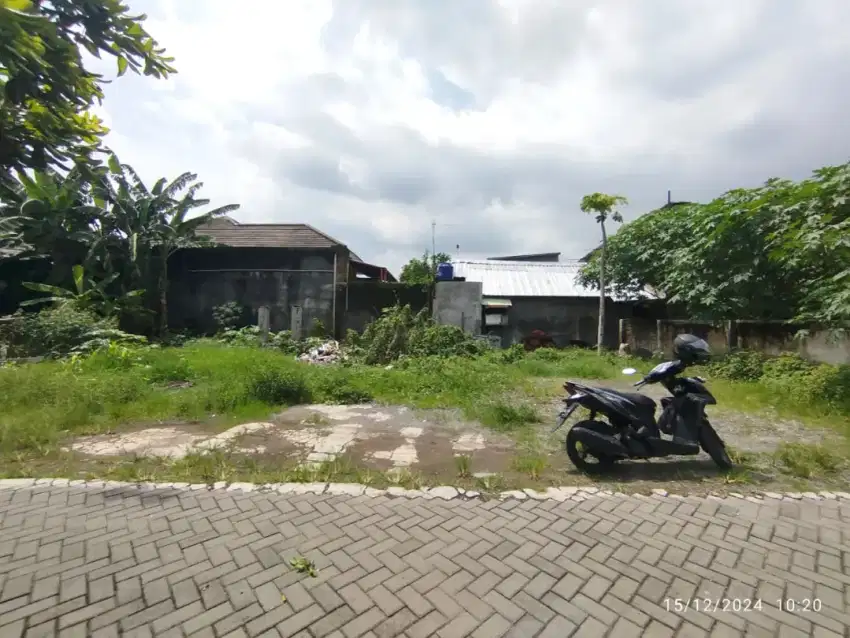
[793,378]
[785,366]
[803,381]
[228,316]
[283,341]
[399,333]
[512,354]
[318,329]
[52,331]
[742,365]
[278,385]
[432,339]
[247,336]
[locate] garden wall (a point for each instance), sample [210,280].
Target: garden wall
[296,285]
[365,299]
[772,338]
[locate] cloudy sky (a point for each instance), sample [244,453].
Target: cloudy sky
[370,118]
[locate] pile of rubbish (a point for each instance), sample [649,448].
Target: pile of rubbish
[327,352]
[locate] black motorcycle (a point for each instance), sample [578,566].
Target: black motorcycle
[630,430]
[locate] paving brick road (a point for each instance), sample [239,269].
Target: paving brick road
[109,561]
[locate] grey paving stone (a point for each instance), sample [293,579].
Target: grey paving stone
[163,563]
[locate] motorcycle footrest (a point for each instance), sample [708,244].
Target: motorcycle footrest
[663,447]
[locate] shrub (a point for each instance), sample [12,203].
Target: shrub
[283,341]
[247,336]
[318,330]
[53,331]
[398,333]
[786,365]
[512,354]
[228,316]
[742,365]
[804,381]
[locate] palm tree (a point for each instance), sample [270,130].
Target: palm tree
[155,222]
[602,206]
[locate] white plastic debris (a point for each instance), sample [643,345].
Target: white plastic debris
[328,352]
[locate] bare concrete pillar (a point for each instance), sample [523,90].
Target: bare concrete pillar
[296,322]
[263,322]
[659,333]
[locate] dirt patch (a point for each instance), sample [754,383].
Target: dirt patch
[442,447]
[384,437]
[377,436]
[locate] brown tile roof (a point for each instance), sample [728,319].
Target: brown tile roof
[229,232]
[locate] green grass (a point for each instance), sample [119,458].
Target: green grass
[45,403]
[807,461]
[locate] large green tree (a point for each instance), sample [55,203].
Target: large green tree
[602,206]
[423,270]
[45,89]
[780,251]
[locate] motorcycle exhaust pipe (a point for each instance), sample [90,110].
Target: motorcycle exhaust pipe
[596,442]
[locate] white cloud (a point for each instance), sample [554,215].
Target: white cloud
[370,118]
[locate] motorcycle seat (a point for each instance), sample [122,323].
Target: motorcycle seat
[635,397]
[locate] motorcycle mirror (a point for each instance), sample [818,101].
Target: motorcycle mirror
[629,371]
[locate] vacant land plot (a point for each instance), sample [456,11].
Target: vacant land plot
[208,413]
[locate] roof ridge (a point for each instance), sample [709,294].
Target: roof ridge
[519,264]
[333,240]
[325,235]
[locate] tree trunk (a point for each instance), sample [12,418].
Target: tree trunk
[163,297]
[600,331]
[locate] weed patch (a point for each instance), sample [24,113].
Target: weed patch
[806,461]
[506,416]
[463,462]
[530,464]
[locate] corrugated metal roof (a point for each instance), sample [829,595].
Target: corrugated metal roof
[524,279]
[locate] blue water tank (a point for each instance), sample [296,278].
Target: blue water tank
[445,272]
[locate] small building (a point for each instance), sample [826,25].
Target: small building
[295,270]
[519,297]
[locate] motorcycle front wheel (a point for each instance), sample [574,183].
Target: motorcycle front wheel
[714,446]
[583,459]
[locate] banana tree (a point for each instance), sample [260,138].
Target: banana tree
[86,294]
[53,215]
[153,221]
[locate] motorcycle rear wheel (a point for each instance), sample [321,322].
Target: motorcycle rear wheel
[714,446]
[583,459]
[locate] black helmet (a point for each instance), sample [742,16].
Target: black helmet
[690,349]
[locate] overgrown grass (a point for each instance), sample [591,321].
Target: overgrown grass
[807,461]
[44,403]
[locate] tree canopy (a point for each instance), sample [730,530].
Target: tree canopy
[423,270]
[779,251]
[45,89]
